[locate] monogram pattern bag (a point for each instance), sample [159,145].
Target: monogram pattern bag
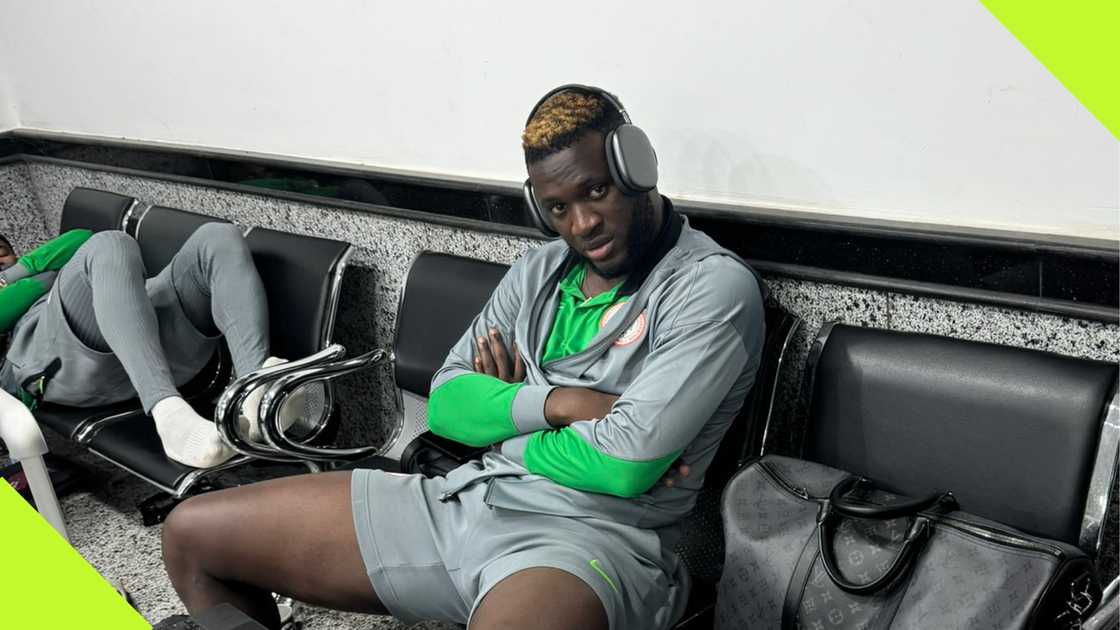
[814,548]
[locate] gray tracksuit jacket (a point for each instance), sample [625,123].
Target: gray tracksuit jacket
[682,355]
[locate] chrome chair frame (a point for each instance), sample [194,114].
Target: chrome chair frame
[285,379]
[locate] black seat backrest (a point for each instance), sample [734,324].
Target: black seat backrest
[95,210]
[301,274]
[1012,432]
[701,544]
[302,277]
[744,438]
[442,296]
[161,231]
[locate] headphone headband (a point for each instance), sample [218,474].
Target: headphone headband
[587,89]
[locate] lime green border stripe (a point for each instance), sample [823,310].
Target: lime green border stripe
[46,583]
[595,565]
[1078,41]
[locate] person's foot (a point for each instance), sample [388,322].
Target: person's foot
[294,408]
[187,437]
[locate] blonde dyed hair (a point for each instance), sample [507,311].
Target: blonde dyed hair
[562,119]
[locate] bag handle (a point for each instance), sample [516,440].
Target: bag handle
[840,503]
[916,537]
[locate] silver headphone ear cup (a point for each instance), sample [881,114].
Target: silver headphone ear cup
[613,159]
[535,213]
[631,159]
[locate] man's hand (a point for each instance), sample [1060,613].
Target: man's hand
[493,359]
[676,473]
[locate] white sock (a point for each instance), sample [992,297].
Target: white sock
[187,437]
[292,410]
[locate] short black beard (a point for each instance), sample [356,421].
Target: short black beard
[638,240]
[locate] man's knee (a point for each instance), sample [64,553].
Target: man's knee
[184,528]
[111,244]
[218,241]
[222,235]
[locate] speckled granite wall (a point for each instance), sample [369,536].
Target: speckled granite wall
[20,218]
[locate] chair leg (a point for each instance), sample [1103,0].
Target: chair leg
[43,492]
[25,442]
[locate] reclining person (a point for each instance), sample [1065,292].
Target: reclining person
[87,328]
[600,362]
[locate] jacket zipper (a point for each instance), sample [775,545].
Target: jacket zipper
[980,531]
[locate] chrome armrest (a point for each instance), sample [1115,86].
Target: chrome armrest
[283,386]
[229,404]
[1106,615]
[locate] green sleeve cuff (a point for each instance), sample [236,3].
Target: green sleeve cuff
[16,298]
[55,253]
[527,411]
[566,458]
[473,409]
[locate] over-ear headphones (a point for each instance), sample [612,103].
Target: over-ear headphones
[630,156]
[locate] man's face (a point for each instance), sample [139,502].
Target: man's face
[7,256]
[578,197]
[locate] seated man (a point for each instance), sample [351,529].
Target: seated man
[601,361]
[87,329]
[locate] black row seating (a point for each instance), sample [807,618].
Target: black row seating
[301,274]
[1023,437]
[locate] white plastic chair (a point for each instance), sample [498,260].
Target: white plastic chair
[26,445]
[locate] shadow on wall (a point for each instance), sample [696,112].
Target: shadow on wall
[731,169]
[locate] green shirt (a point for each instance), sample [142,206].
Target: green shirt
[578,319]
[32,276]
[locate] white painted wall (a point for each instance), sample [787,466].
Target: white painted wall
[9,118]
[918,111]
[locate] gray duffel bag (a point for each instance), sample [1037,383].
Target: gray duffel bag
[814,548]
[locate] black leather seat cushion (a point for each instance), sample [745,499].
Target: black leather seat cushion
[162,231]
[1012,432]
[132,442]
[95,210]
[443,294]
[67,420]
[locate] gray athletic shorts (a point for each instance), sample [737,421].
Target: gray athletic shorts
[432,559]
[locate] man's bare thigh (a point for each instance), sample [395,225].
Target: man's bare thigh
[293,536]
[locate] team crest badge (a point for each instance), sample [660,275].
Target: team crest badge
[633,333]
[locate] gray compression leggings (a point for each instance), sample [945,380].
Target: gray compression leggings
[106,303]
